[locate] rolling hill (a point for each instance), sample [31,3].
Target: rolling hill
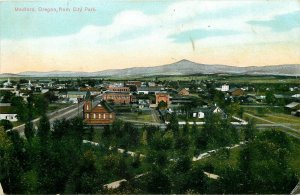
[182,67]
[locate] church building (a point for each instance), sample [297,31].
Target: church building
[97,113]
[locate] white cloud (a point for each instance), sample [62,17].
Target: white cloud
[152,31]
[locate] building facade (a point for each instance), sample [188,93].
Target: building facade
[162,97]
[225,88]
[184,92]
[135,83]
[97,113]
[118,98]
[118,89]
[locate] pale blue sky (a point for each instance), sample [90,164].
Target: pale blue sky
[122,34]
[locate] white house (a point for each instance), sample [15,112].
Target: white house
[225,88]
[198,114]
[147,90]
[201,112]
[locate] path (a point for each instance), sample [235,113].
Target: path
[68,112]
[116,184]
[278,124]
[208,153]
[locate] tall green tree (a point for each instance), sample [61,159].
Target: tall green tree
[29,130]
[173,124]
[43,127]
[158,182]
[270,97]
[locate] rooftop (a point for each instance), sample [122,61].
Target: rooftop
[292,105]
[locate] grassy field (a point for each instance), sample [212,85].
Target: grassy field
[17,123]
[260,79]
[234,79]
[274,115]
[55,106]
[144,117]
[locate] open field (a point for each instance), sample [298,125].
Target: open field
[235,79]
[56,106]
[280,121]
[143,117]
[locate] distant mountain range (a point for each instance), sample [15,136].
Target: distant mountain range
[182,67]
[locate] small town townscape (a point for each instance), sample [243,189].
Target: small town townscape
[150,97]
[160,134]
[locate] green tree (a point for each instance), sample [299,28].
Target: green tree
[250,131]
[197,181]
[21,109]
[158,182]
[7,96]
[234,109]
[29,130]
[86,178]
[5,151]
[40,104]
[264,164]
[270,97]
[173,124]
[43,128]
[6,124]
[162,105]
[10,170]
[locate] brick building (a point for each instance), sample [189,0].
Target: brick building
[184,92]
[135,83]
[118,97]
[118,89]
[97,113]
[162,97]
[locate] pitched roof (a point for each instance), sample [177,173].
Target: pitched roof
[292,105]
[76,93]
[205,109]
[149,89]
[105,105]
[233,89]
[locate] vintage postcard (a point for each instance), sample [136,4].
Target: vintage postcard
[150,97]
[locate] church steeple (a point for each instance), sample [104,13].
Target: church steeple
[87,102]
[87,96]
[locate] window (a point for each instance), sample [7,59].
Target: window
[110,116]
[99,115]
[104,116]
[87,107]
[87,116]
[94,115]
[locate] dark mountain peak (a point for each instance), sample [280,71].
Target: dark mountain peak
[185,61]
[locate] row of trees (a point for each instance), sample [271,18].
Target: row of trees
[57,161]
